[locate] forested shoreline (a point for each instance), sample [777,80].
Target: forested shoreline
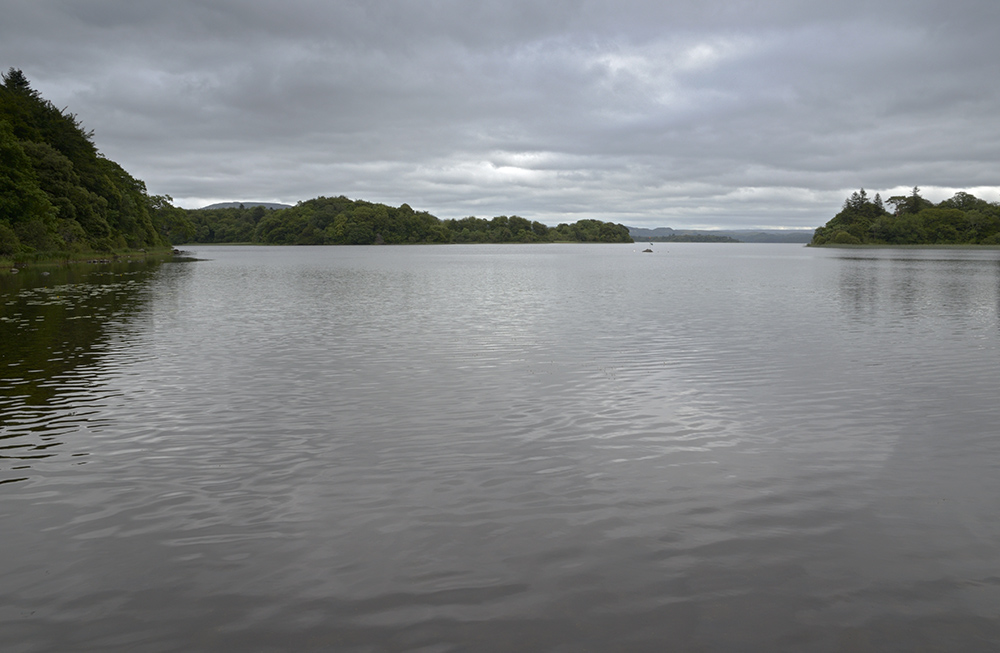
[60,198]
[912,220]
[342,221]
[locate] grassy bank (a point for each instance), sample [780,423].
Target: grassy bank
[11,264]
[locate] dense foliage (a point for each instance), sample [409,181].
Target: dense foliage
[341,221]
[58,194]
[962,220]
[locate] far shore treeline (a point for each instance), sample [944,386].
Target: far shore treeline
[60,198]
[341,221]
[912,220]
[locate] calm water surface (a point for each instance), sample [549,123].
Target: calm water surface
[503,448]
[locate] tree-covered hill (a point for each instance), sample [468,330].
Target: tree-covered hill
[342,221]
[58,194]
[961,220]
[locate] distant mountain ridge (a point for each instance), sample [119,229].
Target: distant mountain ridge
[742,235]
[235,205]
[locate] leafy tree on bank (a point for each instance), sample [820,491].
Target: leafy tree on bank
[24,206]
[57,192]
[962,219]
[173,223]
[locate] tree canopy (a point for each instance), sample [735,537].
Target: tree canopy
[961,220]
[57,192]
[342,221]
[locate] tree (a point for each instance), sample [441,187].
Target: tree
[15,82]
[9,242]
[54,178]
[963,218]
[172,223]
[21,198]
[964,202]
[912,203]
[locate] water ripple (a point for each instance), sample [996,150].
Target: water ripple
[502,449]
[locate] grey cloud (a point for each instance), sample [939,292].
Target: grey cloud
[677,114]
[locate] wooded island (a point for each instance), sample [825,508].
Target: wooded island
[961,220]
[341,221]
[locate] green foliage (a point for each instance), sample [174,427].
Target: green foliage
[57,193]
[593,231]
[9,242]
[501,229]
[174,224]
[341,221]
[962,219]
[909,204]
[230,225]
[21,198]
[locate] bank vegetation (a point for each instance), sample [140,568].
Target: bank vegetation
[912,220]
[342,221]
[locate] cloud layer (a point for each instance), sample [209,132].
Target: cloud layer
[684,114]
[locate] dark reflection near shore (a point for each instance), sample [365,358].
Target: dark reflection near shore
[54,326]
[911,287]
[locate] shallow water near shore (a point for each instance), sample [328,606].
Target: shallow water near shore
[503,448]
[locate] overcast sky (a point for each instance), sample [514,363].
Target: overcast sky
[680,113]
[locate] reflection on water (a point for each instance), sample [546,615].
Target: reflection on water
[54,326]
[895,285]
[714,447]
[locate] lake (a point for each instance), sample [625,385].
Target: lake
[712,447]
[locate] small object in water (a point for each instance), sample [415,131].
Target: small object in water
[45,274]
[647,250]
[14,270]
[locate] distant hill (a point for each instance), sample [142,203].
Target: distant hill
[719,235]
[691,238]
[775,236]
[247,205]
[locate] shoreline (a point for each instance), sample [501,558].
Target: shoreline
[13,265]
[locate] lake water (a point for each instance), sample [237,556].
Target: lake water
[503,448]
